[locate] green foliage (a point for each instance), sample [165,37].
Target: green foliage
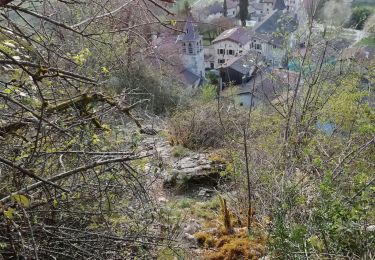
[234,166]
[162,93]
[82,56]
[171,254]
[225,7]
[187,8]
[359,16]
[179,151]
[213,79]
[243,14]
[209,93]
[9,213]
[21,200]
[368,41]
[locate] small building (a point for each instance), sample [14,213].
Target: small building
[210,12]
[269,87]
[232,8]
[293,6]
[188,78]
[239,70]
[258,10]
[255,10]
[270,5]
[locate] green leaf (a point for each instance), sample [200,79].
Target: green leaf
[173,22]
[105,70]
[9,213]
[95,139]
[8,91]
[21,199]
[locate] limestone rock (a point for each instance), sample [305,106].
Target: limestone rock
[194,170]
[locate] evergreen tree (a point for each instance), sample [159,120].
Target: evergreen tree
[225,8]
[244,11]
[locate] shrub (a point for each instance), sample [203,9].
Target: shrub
[179,151]
[141,83]
[204,125]
[359,16]
[205,239]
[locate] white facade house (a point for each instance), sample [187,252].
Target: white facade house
[271,46]
[293,5]
[267,6]
[263,38]
[232,8]
[229,44]
[259,9]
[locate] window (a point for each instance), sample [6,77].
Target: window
[190,48]
[184,48]
[258,46]
[220,51]
[220,61]
[233,12]
[230,52]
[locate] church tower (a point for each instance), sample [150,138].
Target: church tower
[191,49]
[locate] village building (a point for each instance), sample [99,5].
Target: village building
[268,86]
[274,35]
[183,55]
[233,8]
[229,44]
[212,11]
[239,70]
[261,8]
[256,12]
[271,38]
[293,5]
[270,5]
[191,53]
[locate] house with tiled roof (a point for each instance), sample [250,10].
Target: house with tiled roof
[259,9]
[240,69]
[230,44]
[274,35]
[268,86]
[269,37]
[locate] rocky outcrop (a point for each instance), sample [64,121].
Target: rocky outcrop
[194,171]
